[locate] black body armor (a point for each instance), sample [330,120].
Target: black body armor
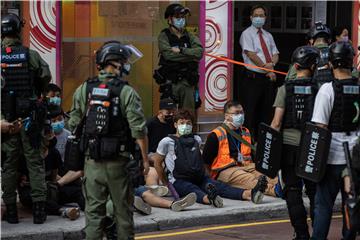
[300,98]
[106,131]
[17,94]
[345,112]
[176,71]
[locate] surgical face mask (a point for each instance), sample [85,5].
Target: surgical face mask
[345,38]
[184,129]
[58,126]
[55,101]
[258,22]
[179,22]
[238,120]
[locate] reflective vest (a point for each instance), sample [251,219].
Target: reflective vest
[223,159]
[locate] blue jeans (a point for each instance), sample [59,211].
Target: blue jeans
[184,187]
[326,192]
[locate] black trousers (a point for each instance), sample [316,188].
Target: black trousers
[71,193]
[293,191]
[257,97]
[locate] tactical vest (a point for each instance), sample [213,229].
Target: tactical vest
[323,72]
[346,109]
[175,70]
[299,102]
[223,159]
[189,164]
[106,130]
[17,93]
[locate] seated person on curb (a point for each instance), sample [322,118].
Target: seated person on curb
[186,170]
[229,159]
[57,199]
[64,185]
[162,124]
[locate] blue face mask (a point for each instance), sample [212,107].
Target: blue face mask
[179,22]
[58,126]
[55,101]
[238,120]
[258,22]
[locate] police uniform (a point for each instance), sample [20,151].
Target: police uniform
[180,68]
[337,107]
[297,97]
[107,133]
[26,76]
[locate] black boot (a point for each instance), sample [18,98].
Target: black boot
[11,213]
[110,228]
[39,212]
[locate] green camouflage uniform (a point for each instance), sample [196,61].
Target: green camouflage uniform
[17,144]
[182,91]
[102,179]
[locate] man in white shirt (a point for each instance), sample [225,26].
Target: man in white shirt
[259,49]
[336,108]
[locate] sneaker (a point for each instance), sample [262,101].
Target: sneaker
[72,213]
[183,203]
[158,190]
[257,193]
[142,206]
[214,199]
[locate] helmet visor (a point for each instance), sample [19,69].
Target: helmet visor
[136,54]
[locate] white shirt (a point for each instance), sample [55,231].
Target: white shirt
[249,41]
[324,103]
[166,148]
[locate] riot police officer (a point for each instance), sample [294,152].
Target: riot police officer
[337,109]
[26,76]
[319,36]
[294,104]
[180,53]
[113,115]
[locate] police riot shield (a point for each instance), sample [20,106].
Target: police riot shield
[268,151]
[314,151]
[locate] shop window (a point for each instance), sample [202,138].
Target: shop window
[287,17]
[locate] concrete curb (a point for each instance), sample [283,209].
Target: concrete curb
[57,228]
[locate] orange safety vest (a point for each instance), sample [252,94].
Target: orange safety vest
[223,159]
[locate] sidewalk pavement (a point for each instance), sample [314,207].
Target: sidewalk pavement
[58,228]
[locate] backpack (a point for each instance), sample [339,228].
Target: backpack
[189,164]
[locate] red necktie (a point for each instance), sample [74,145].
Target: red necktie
[264,47]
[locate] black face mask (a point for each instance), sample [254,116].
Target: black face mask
[169,119]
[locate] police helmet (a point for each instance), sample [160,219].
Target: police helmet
[112,51]
[11,24]
[176,9]
[319,30]
[305,56]
[341,54]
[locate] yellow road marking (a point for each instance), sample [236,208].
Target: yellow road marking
[216,228]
